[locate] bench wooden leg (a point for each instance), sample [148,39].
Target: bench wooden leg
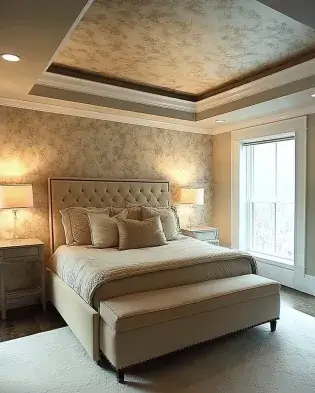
[120,376]
[273,325]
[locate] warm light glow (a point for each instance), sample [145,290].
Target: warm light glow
[10,57]
[193,196]
[179,177]
[16,196]
[12,168]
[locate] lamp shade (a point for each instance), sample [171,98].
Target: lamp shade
[16,196]
[193,196]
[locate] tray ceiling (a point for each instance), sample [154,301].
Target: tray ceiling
[187,46]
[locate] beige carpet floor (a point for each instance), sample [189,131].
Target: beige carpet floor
[251,361]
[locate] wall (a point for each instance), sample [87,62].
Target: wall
[221,186]
[37,145]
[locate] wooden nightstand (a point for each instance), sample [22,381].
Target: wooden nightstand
[19,251]
[204,233]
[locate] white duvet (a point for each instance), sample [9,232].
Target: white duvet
[85,269]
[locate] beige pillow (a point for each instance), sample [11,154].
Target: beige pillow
[174,210]
[168,220]
[76,224]
[134,212]
[104,230]
[139,234]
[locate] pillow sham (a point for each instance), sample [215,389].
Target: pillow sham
[174,210]
[134,212]
[104,230]
[76,224]
[140,234]
[168,220]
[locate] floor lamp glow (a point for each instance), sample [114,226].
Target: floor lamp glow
[15,197]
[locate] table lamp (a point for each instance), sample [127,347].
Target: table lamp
[16,196]
[191,196]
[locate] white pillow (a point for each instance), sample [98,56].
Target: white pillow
[76,224]
[168,220]
[134,211]
[104,230]
[140,234]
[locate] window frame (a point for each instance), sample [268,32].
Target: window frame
[247,150]
[298,127]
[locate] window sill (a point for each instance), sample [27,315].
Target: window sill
[275,261]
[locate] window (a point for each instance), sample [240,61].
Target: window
[268,199]
[269,184]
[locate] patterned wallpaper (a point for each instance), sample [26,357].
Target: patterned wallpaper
[37,145]
[185,45]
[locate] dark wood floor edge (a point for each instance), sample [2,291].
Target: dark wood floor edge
[60,69]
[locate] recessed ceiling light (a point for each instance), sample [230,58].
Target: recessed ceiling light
[313,95]
[220,121]
[10,57]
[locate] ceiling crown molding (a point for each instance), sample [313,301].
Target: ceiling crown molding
[269,119]
[272,81]
[266,83]
[115,92]
[51,105]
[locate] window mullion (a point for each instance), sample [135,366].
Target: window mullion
[250,206]
[276,199]
[275,229]
[276,172]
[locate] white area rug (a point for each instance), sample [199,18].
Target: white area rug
[251,361]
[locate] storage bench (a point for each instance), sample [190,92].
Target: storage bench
[142,326]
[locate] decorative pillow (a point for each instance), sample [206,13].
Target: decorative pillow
[104,230]
[174,210]
[134,211]
[139,234]
[76,224]
[168,220]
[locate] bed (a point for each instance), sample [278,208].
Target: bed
[80,278]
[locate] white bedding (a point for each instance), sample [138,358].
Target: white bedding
[105,273]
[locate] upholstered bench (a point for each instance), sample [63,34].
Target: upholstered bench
[146,325]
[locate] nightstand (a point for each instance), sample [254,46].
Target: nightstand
[204,233]
[14,252]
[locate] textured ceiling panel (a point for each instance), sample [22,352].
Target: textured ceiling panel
[190,46]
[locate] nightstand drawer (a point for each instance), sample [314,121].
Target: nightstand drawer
[14,254]
[214,242]
[20,252]
[206,235]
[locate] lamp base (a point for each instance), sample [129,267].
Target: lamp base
[15,236]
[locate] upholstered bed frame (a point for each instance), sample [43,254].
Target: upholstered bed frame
[234,303]
[83,320]
[69,192]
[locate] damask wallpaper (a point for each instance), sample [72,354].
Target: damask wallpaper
[37,145]
[185,45]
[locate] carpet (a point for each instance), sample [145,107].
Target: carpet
[254,360]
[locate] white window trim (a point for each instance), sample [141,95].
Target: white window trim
[298,126]
[249,180]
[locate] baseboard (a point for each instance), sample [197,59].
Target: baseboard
[307,285]
[281,274]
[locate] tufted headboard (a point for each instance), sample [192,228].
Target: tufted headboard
[69,192]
